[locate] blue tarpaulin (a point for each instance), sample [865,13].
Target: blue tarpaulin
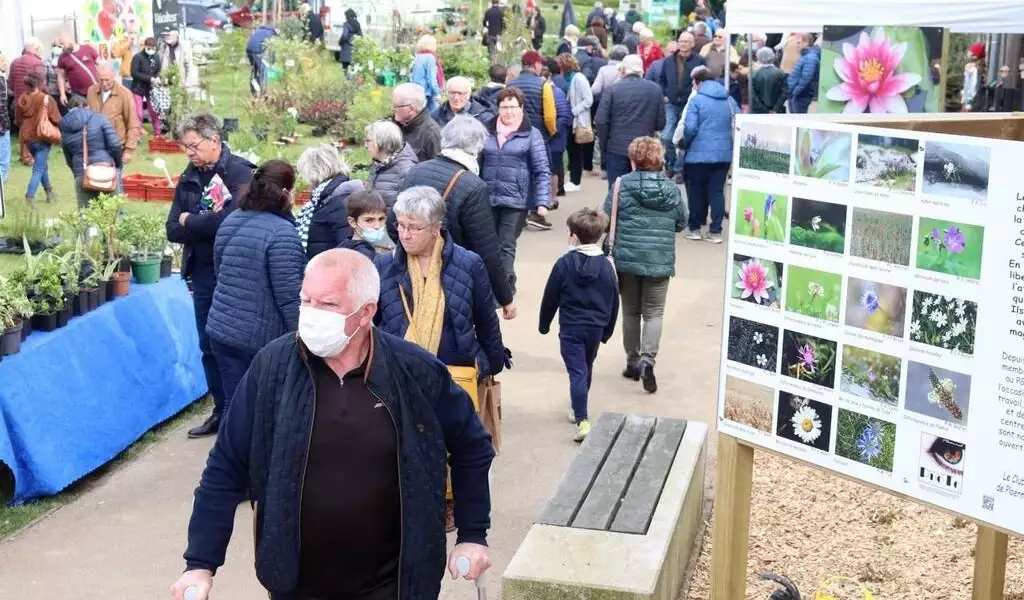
[73,399]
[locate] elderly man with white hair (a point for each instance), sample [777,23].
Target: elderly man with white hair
[409,112]
[339,436]
[629,108]
[109,97]
[632,39]
[462,102]
[469,217]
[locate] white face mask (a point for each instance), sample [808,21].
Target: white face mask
[323,331]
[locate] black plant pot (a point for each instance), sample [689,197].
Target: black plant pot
[125,266]
[225,134]
[165,267]
[44,322]
[80,303]
[101,295]
[108,290]
[26,329]
[319,131]
[63,316]
[10,341]
[230,124]
[91,299]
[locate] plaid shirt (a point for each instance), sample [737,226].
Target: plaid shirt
[5,118]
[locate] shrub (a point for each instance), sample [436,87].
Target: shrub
[370,103]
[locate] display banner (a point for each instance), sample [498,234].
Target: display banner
[874,309]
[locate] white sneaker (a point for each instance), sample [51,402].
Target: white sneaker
[714,238]
[572,415]
[694,235]
[571,187]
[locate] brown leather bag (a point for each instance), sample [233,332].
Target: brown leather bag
[46,130]
[98,177]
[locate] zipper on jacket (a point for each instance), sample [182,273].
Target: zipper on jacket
[305,459]
[401,500]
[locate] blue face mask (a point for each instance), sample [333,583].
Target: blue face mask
[374,236]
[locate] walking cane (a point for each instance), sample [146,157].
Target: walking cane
[462,566]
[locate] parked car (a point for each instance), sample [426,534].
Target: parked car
[206,15]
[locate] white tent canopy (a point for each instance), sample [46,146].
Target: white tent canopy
[963,16]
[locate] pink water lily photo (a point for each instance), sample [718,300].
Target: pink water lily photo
[879,70]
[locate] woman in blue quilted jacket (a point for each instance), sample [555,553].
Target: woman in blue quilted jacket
[707,139]
[259,262]
[516,166]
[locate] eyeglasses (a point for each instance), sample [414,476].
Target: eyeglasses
[400,106]
[412,228]
[191,148]
[510,108]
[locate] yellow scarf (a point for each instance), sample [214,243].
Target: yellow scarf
[426,320]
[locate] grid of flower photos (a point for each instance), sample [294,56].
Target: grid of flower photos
[852,299]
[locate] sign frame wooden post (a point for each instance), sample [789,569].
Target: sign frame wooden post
[730,534]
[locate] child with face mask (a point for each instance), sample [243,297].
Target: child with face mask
[367,215]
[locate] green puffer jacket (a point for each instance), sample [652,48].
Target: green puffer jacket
[651,212]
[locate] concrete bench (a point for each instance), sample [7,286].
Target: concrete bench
[623,520]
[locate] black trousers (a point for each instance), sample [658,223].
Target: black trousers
[202,298]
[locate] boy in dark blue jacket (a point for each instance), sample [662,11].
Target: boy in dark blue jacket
[367,215]
[583,289]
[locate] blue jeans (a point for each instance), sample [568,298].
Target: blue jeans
[203,283]
[705,189]
[616,165]
[579,349]
[672,114]
[5,155]
[40,170]
[258,70]
[233,363]
[800,105]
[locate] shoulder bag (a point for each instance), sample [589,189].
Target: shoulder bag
[582,134]
[98,177]
[46,129]
[451,184]
[613,220]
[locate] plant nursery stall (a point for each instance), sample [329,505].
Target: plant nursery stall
[98,345]
[873,324]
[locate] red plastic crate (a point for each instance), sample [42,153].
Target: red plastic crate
[159,144]
[303,198]
[160,191]
[135,185]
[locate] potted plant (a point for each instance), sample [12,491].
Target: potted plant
[145,235]
[103,212]
[70,263]
[230,58]
[47,295]
[14,305]
[166,262]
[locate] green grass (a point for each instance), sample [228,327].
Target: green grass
[878,439]
[772,228]
[813,293]
[933,256]
[760,159]
[826,238]
[15,518]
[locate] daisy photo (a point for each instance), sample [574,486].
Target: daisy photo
[877,307]
[865,439]
[804,421]
[756,280]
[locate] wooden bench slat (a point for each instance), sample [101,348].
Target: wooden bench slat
[583,470]
[602,502]
[637,510]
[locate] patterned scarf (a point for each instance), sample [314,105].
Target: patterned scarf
[306,214]
[426,316]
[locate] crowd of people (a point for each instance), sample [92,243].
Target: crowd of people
[68,96]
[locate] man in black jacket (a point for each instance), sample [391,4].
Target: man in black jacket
[536,23]
[196,213]
[339,438]
[676,85]
[494,24]
[409,112]
[629,108]
[469,218]
[462,102]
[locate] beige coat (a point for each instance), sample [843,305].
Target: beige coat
[119,109]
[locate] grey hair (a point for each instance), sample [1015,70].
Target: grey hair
[33,43]
[464,133]
[363,283]
[766,56]
[618,52]
[700,27]
[410,93]
[459,80]
[321,163]
[598,5]
[421,202]
[698,69]
[631,65]
[203,124]
[386,136]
